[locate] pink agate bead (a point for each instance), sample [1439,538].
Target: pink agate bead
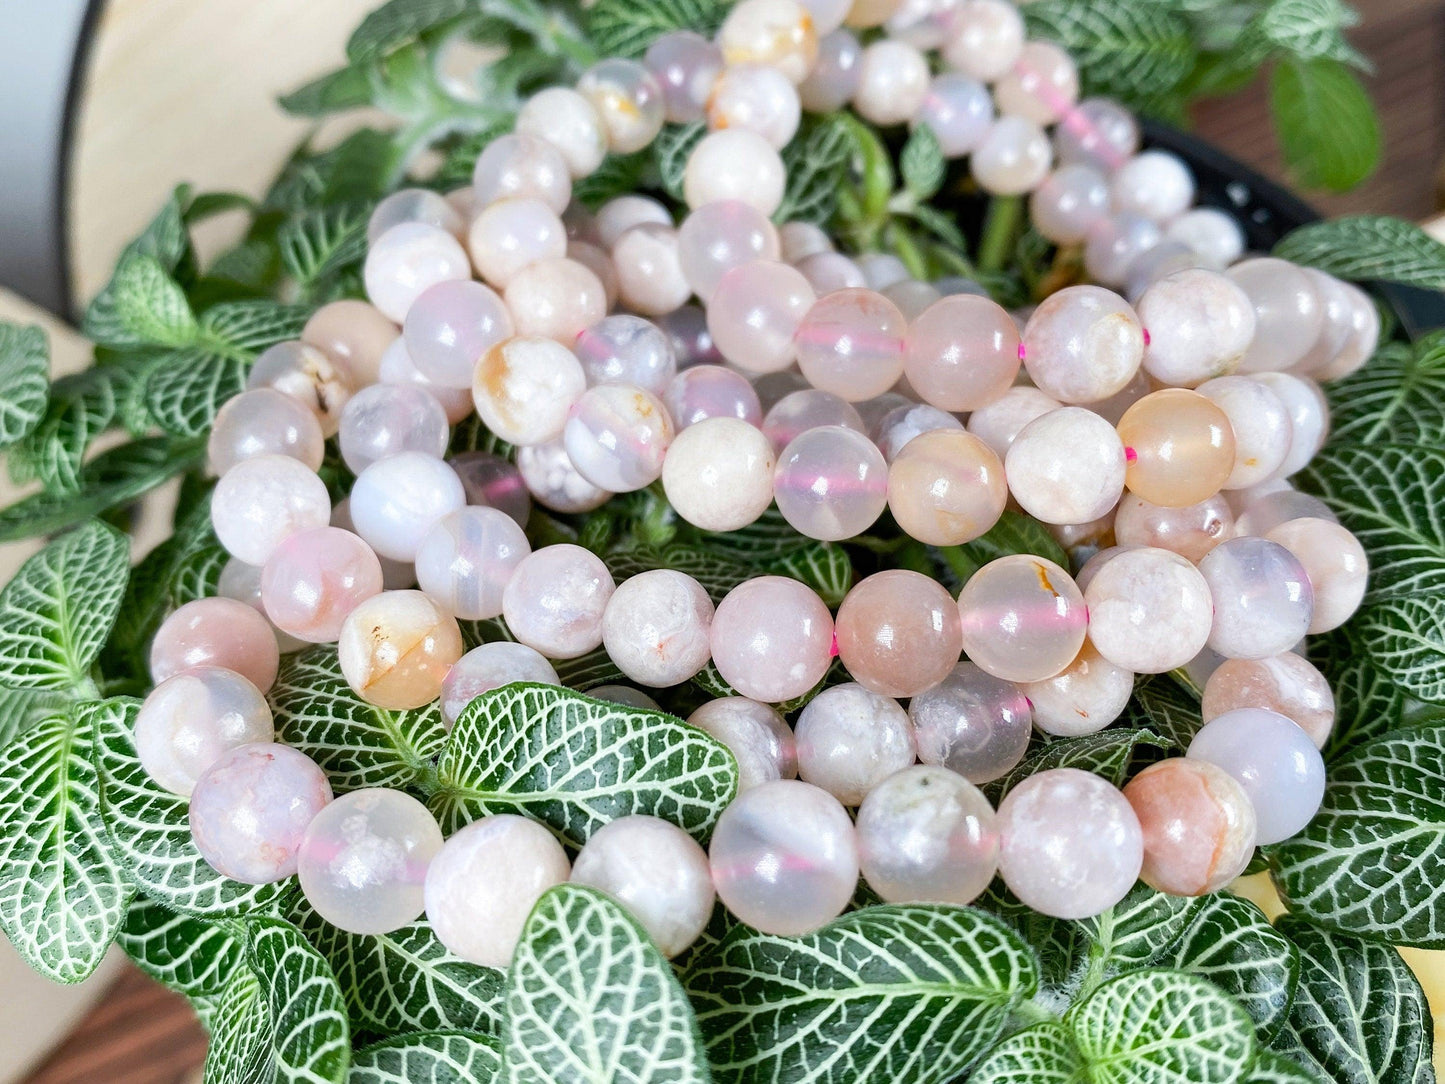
[1335,563]
[264,422]
[850,740]
[686,65]
[191,720]
[555,600]
[1066,466]
[851,344]
[626,349]
[388,418]
[451,326]
[972,723]
[617,436]
[831,483]
[756,735]
[493,482]
[395,501]
[488,667]
[216,632]
[1198,826]
[519,165]
[902,423]
[898,633]
[465,561]
[656,627]
[408,259]
[555,299]
[314,579]
[1023,618]
[1286,684]
[754,313]
[962,352]
[772,638]
[1191,531]
[711,391]
[353,334]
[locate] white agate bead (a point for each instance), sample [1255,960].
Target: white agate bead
[623,213]
[555,600]
[778,33]
[555,299]
[466,558]
[1154,184]
[711,391]
[553,481]
[1263,431]
[958,110]
[831,483]
[772,638]
[754,313]
[488,667]
[685,65]
[625,349]
[412,205]
[1087,696]
[734,164]
[408,259]
[510,234]
[1083,344]
[972,723]
[264,422]
[893,80]
[397,368]
[850,740]
[191,720]
[1286,683]
[566,119]
[717,237]
[656,626]
[987,39]
[650,277]
[1069,204]
[1149,610]
[628,100]
[999,422]
[1288,313]
[518,165]
[385,419]
[1042,86]
[1098,132]
[834,78]
[263,501]
[1115,243]
[756,735]
[758,98]
[1066,466]
[718,474]
[1200,325]
[1263,601]
[525,388]
[1013,158]
[396,500]
[1309,416]
[1211,233]
[307,375]
[616,437]
[1336,564]
[1275,762]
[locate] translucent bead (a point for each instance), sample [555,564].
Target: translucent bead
[507,236]
[1070,845]
[406,260]
[466,558]
[946,488]
[718,474]
[1180,447]
[250,809]
[831,483]
[830,271]
[1099,133]
[1042,86]
[719,236]
[1164,259]
[385,419]
[525,388]
[758,98]
[799,239]
[555,600]
[617,436]
[901,424]
[308,376]
[484,882]
[1149,610]
[1023,618]
[685,65]
[1275,762]
[600,264]
[566,119]
[754,313]
[962,353]
[834,78]
[778,33]
[784,858]
[489,667]
[264,500]
[1084,698]
[1191,531]
[912,297]
[686,330]
[1284,683]
[711,391]
[657,872]
[1335,562]
[395,501]
[1154,184]
[623,213]
[554,482]
[1069,204]
[1013,158]
[396,647]
[656,627]
[395,575]
[772,638]
[627,99]
[898,633]
[1211,233]
[1336,310]
[626,349]
[314,579]
[971,723]
[1115,243]
[924,24]
[1263,431]
[1067,466]
[1198,826]
[756,735]
[1262,598]
[999,422]
[398,369]
[363,860]
[353,334]
[1287,310]
[850,740]
[987,39]
[412,205]
[893,80]
[773,388]
[734,164]
[1200,325]
[1361,341]
[191,720]
[521,166]
[555,299]
[452,324]
[650,278]
[851,344]
[882,270]
[264,422]
[1309,416]
[1262,513]
[1083,344]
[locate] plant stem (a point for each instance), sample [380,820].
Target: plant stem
[1000,228]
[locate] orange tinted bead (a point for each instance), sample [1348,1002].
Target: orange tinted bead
[1179,447]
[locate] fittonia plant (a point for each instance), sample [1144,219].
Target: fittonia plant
[599,651]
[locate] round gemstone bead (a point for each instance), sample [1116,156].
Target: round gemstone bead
[972,723]
[1069,204]
[987,39]
[1083,344]
[735,164]
[489,667]
[1286,684]
[388,418]
[1182,447]
[649,270]
[656,871]
[1116,243]
[1198,826]
[756,735]
[352,334]
[555,299]
[1013,158]
[1263,431]
[962,352]
[314,579]
[1263,601]
[1335,563]
[686,330]
[553,480]
[898,633]
[999,422]
[1099,133]
[831,483]
[412,205]
[395,501]
[627,99]
[958,110]
[484,882]
[758,98]
[520,166]
[902,423]
[772,638]
[1309,416]
[1149,610]
[784,857]
[626,349]
[1200,325]
[216,632]
[363,860]
[718,474]
[466,559]
[830,271]
[264,422]
[927,835]
[850,740]
[946,487]
[1085,697]
[1023,618]
[1070,845]
[893,80]
[754,313]
[397,368]
[1155,184]
[834,78]
[1067,466]
[685,65]
[408,259]
[851,344]
[452,324]
[396,647]
[189,721]
[525,388]
[617,435]
[656,626]
[1213,234]
[625,695]
[808,408]
[778,33]
[1275,762]
[250,809]
[1288,312]
[263,501]
[1191,531]
[1043,85]
[711,391]
[493,482]
[555,600]
[565,118]
[506,237]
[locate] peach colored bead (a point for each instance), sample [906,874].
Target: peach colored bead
[1088,695]
[216,632]
[1023,618]
[1182,448]
[898,633]
[1191,531]
[1336,565]
[1198,824]
[354,334]
[772,638]
[1287,684]
[396,648]
[555,299]
[755,312]
[778,33]
[946,487]
[962,352]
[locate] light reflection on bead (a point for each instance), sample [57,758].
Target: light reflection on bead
[264,500]
[772,638]
[1023,618]
[406,260]
[554,482]
[1336,564]
[972,723]
[453,324]
[685,65]
[711,391]
[395,501]
[493,482]
[1262,598]
[1198,825]
[656,627]
[719,236]
[388,418]
[617,436]
[831,483]
[1263,431]
[521,166]
[466,558]
[799,411]
[353,334]
[525,388]
[1149,610]
[488,667]
[718,474]
[850,740]
[946,487]
[1083,344]
[625,349]
[1191,531]
[962,352]
[308,376]
[190,720]
[1182,447]
[898,633]
[628,99]
[264,422]
[1084,698]
[315,578]
[1067,466]
[755,734]
[555,600]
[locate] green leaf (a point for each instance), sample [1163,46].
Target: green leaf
[310,1034]
[357,744]
[150,305]
[166,240]
[1368,248]
[62,895]
[823,566]
[626,28]
[590,998]
[1139,929]
[618,175]
[1368,702]
[672,147]
[25,376]
[1328,131]
[1398,398]
[1305,29]
[242,1041]
[900,992]
[921,164]
[1272,1068]
[435,1057]
[1013,533]
[589,671]
[1043,1054]
[817,165]
[197,959]
[1137,52]
[1108,753]
[1370,861]
[575,763]
[1163,705]
[150,832]
[716,572]
[317,245]
[82,406]
[400,22]
[334,92]
[1359,1015]
[21,709]
[58,609]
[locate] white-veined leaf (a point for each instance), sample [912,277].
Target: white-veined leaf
[399,22]
[310,1034]
[921,163]
[1042,1054]
[817,163]
[1272,1068]
[1304,29]
[320,243]
[1108,753]
[1140,928]
[20,709]
[627,27]
[150,305]
[196,958]
[1137,52]
[25,376]
[1398,398]
[81,407]
[1166,707]
[242,1046]
[434,1057]
[1368,248]
[164,238]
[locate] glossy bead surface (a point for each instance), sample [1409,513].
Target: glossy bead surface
[484,882]
[364,858]
[1287,684]
[407,259]
[1098,132]
[1155,184]
[1069,203]
[264,500]
[617,435]
[808,408]
[1198,825]
[899,425]
[784,857]
[1149,610]
[566,119]
[190,720]
[554,482]
[1182,447]
[1066,466]
[412,205]
[308,376]
[1191,531]
[250,809]
[314,579]
[622,213]
[972,723]
[831,483]
[216,632]
[1263,431]
[506,237]
[628,100]
[1115,243]
[396,647]
[1309,416]
[1086,696]
[893,81]
[388,418]
[898,633]
[778,33]
[1043,85]
[625,349]
[711,391]
[524,389]
[756,735]
[649,270]
[520,166]
[397,368]
[1335,563]
[961,353]
[685,65]
[851,344]
[719,236]
[999,422]
[772,638]
[353,334]
[1023,618]
[834,78]
[1083,344]
[488,667]
[958,110]
[927,835]
[395,501]
[718,474]
[987,38]
[1287,310]
[555,600]
[850,740]
[1013,158]
[264,422]
[555,299]
[465,560]
[657,872]
[686,330]
[656,626]
[1263,601]
[1275,762]
[453,324]
[735,164]
[1210,232]
[758,98]
[1070,845]
[946,487]
[1200,325]
[754,313]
